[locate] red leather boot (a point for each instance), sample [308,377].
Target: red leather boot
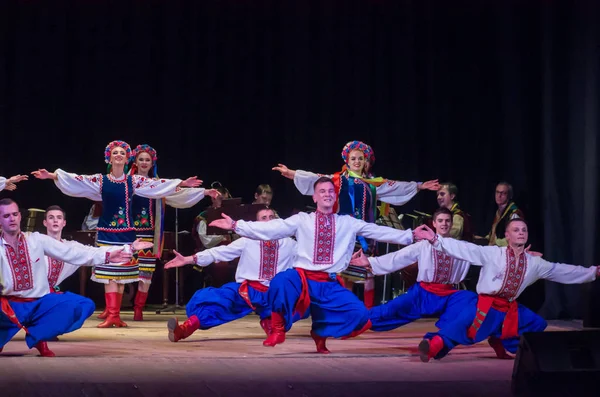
[178,332]
[265,324]
[43,349]
[104,314]
[277,335]
[429,348]
[113,301]
[320,343]
[138,305]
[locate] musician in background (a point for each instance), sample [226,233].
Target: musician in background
[263,195]
[90,222]
[506,211]
[461,221]
[217,275]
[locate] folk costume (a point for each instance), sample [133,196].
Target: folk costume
[434,294]
[259,262]
[496,314]
[357,196]
[115,226]
[26,301]
[325,243]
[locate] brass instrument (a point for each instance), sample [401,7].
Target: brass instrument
[35,220]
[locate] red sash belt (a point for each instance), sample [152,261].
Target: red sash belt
[438,289]
[303,302]
[243,290]
[510,326]
[8,310]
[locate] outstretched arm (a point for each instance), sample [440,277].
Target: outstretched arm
[156,188]
[11,183]
[186,198]
[81,256]
[469,252]
[285,171]
[391,262]
[566,274]
[223,253]
[74,185]
[272,230]
[384,234]
[305,181]
[399,193]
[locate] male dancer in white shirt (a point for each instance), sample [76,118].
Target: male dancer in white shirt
[435,292]
[325,245]
[259,262]
[506,272]
[26,301]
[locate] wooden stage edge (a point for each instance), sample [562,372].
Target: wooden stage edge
[231,361]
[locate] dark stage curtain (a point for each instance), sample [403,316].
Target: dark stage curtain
[473,92]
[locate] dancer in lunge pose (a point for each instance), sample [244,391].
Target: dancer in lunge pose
[357,194]
[26,301]
[259,262]
[115,226]
[325,242]
[435,292]
[506,272]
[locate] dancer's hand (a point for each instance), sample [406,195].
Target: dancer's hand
[44,174]
[423,232]
[141,245]
[226,223]
[17,179]
[179,260]
[533,253]
[10,186]
[360,259]
[191,182]
[430,185]
[120,256]
[285,171]
[214,193]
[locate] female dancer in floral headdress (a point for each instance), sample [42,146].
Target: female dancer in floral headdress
[115,226]
[148,219]
[358,191]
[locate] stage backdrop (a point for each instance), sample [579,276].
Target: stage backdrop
[472,92]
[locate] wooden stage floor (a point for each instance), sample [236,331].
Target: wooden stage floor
[231,361]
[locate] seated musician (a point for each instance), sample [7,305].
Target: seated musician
[217,275]
[90,222]
[506,211]
[263,195]
[461,221]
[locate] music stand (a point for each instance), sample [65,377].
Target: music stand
[234,209]
[176,306]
